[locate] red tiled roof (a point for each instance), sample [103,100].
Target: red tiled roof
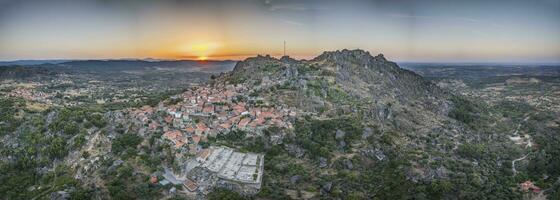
[528,185]
[189,129]
[244,122]
[153,125]
[233,120]
[147,109]
[225,125]
[176,137]
[173,134]
[179,144]
[208,109]
[201,126]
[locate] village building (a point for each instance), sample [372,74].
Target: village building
[176,137]
[242,170]
[190,185]
[153,179]
[203,156]
[529,186]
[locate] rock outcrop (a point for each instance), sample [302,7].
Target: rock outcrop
[410,112]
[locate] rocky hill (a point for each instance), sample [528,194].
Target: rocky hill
[352,83]
[355,72]
[366,115]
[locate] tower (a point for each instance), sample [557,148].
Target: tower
[284,47]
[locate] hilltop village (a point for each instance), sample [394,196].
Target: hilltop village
[205,112]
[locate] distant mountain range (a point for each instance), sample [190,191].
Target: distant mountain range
[59,61]
[125,64]
[31,62]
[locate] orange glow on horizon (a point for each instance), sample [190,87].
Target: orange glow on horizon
[199,51]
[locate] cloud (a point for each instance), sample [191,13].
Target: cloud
[290,22]
[467,19]
[462,19]
[287,7]
[297,7]
[433,17]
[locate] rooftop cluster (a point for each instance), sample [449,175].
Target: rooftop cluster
[205,111]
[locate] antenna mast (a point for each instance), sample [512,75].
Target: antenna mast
[284,47]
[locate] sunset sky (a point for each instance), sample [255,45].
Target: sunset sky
[425,31]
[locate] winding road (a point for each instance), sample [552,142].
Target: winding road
[515,134]
[513,163]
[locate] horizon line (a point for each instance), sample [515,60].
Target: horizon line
[237,60]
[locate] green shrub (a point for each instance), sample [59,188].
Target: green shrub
[125,141]
[470,150]
[463,110]
[224,194]
[318,136]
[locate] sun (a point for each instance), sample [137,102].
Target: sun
[200,51]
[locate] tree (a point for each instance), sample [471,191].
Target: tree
[57,148]
[224,194]
[124,141]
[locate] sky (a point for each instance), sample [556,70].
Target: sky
[404,31]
